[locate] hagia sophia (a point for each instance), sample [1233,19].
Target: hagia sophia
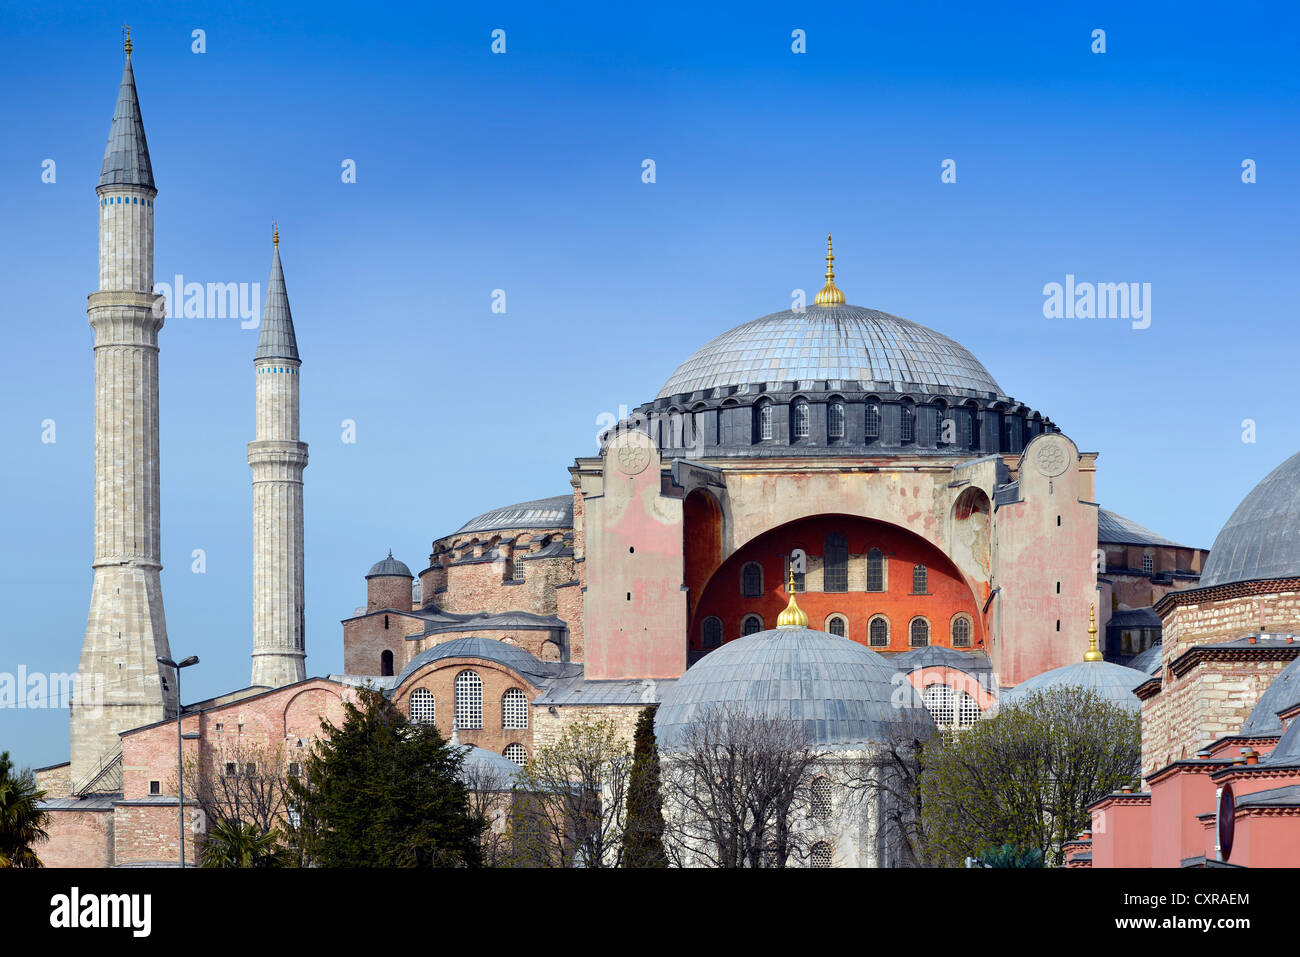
[820,505]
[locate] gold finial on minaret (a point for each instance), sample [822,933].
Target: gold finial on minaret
[1092,654]
[126,38]
[830,294]
[793,616]
[275,234]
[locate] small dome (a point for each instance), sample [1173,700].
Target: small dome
[480,766]
[1112,682]
[1262,538]
[555,512]
[841,691]
[489,649]
[1282,693]
[389,566]
[834,342]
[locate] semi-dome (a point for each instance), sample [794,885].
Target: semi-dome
[1262,538]
[389,566]
[842,692]
[837,342]
[555,512]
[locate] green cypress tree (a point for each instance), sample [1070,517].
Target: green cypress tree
[382,792]
[643,844]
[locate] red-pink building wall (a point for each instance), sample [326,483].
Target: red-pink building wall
[1121,832]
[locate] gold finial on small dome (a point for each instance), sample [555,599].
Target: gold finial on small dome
[1092,654]
[793,616]
[275,241]
[126,38]
[830,294]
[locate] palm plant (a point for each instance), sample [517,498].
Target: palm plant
[22,822]
[230,843]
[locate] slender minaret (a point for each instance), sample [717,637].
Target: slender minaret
[277,459]
[120,683]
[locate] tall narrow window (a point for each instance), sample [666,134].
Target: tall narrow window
[711,633]
[837,626]
[873,421]
[517,565]
[875,570]
[961,632]
[514,709]
[821,799]
[763,421]
[422,706]
[802,419]
[386,664]
[836,577]
[907,424]
[469,700]
[751,580]
[920,580]
[752,625]
[835,420]
[920,632]
[1148,565]
[878,632]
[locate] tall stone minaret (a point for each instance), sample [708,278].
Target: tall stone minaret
[120,684]
[277,459]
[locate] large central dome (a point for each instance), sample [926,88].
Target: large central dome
[833,342]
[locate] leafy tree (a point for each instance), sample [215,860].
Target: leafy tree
[228,843]
[643,841]
[1027,775]
[22,822]
[382,792]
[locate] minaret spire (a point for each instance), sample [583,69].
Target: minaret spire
[830,294]
[277,459]
[126,158]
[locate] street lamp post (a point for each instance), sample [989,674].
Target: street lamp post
[180,765]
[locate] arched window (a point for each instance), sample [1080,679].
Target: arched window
[763,421]
[516,753]
[514,709]
[421,707]
[836,576]
[821,855]
[920,580]
[820,808]
[961,632]
[801,419]
[920,632]
[907,424]
[1148,564]
[968,710]
[971,425]
[386,664]
[751,580]
[517,566]
[469,700]
[875,570]
[835,419]
[939,699]
[878,632]
[873,421]
[711,632]
[751,625]
[946,430]
[837,626]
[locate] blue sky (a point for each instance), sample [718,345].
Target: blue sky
[522,172]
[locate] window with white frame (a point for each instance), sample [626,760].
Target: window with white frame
[516,753]
[920,580]
[764,424]
[939,699]
[821,799]
[907,424]
[873,421]
[821,855]
[802,420]
[1148,565]
[968,710]
[514,709]
[469,700]
[835,420]
[421,707]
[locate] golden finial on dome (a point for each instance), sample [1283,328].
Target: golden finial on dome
[275,241]
[830,294]
[126,38]
[1092,654]
[793,616]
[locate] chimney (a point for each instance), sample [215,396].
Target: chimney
[1250,755]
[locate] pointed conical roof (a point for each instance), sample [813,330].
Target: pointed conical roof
[276,340]
[126,158]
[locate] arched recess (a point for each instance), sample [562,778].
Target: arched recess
[971,518]
[701,542]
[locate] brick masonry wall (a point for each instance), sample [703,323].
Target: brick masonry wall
[78,839]
[439,679]
[365,639]
[547,727]
[56,782]
[150,833]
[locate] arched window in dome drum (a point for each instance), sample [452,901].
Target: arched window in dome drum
[961,632]
[801,419]
[751,580]
[875,570]
[970,426]
[873,421]
[516,753]
[711,633]
[920,580]
[920,633]
[835,420]
[421,706]
[763,421]
[469,700]
[752,625]
[907,425]
[514,709]
[836,575]
[878,632]
[837,626]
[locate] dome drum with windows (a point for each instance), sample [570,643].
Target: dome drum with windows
[833,378]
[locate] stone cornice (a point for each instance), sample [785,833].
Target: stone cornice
[1194,656]
[1194,596]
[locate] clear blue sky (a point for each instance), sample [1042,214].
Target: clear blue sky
[522,172]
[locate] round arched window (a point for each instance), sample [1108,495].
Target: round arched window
[421,706]
[838,626]
[469,700]
[920,632]
[516,753]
